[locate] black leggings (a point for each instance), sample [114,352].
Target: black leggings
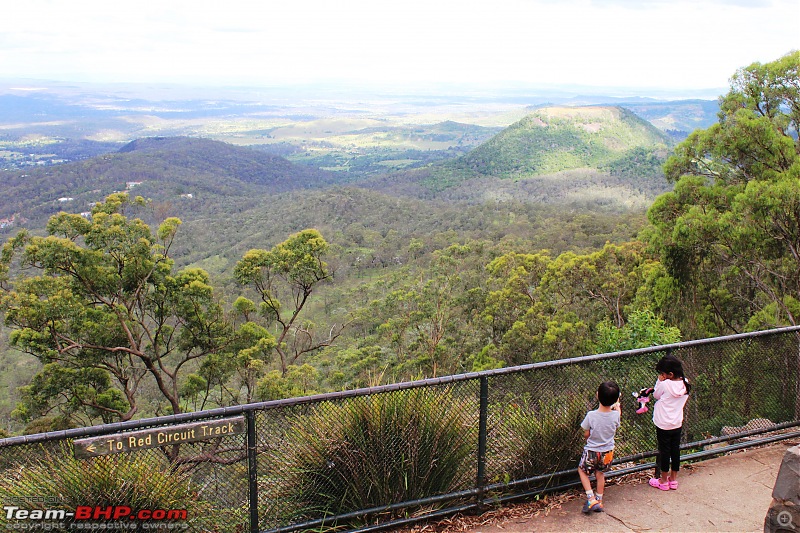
[669,448]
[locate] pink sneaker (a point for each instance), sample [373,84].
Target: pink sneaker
[673,485]
[655,482]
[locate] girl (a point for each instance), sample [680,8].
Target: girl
[671,392]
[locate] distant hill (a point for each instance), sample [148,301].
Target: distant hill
[555,139]
[187,174]
[677,118]
[553,154]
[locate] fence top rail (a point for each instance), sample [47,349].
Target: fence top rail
[234,410]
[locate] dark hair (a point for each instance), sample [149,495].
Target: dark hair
[608,393]
[671,364]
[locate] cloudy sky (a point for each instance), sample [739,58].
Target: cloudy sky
[669,44]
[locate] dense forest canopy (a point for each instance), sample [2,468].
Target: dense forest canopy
[729,234]
[393,288]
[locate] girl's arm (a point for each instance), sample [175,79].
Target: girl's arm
[658,391]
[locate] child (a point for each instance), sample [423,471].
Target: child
[670,392]
[599,428]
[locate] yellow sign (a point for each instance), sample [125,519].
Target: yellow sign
[153,438]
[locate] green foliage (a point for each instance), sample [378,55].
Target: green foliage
[71,390]
[729,233]
[636,163]
[427,322]
[130,479]
[284,278]
[543,308]
[105,312]
[538,439]
[297,381]
[643,329]
[45,423]
[486,361]
[517,277]
[537,337]
[375,450]
[774,315]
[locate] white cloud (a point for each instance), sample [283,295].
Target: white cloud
[592,42]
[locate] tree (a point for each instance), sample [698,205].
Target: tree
[598,285]
[642,330]
[284,279]
[525,325]
[99,303]
[729,234]
[230,376]
[515,278]
[431,322]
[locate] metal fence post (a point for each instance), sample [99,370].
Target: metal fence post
[797,376]
[252,474]
[482,423]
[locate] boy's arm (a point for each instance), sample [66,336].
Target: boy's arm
[585,426]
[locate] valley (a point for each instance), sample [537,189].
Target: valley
[399,187]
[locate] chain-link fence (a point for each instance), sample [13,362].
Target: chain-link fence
[368,459]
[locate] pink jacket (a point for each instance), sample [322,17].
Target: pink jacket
[670,398]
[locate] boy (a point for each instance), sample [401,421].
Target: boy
[599,428]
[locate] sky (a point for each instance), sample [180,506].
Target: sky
[659,44]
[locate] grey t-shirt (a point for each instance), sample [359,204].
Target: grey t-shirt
[602,428]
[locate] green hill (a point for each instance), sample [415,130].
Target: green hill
[183,174]
[562,138]
[605,155]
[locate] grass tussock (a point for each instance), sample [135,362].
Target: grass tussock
[140,481]
[378,450]
[537,440]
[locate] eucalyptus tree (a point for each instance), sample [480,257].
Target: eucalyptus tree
[283,279]
[729,233]
[99,302]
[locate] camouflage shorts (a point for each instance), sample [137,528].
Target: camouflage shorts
[595,461]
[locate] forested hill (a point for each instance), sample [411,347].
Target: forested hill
[554,154]
[561,138]
[222,160]
[186,173]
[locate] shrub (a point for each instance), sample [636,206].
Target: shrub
[377,450]
[139,481]
[538,439]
